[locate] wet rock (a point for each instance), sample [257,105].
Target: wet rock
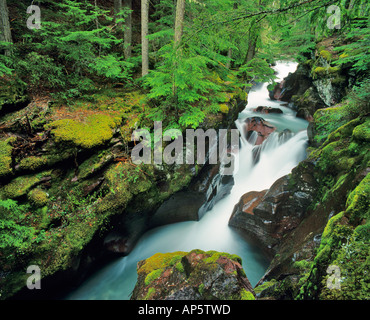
[294,84]
[256,128]
[268,216]
[197,275]
[267,110]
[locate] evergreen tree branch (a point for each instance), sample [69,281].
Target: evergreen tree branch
[264,13]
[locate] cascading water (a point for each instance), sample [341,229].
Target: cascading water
[278,155]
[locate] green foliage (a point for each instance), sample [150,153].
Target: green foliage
[74,49]
[181,83]
[40,70]
[257,69]
[359,98]
[356,52]
[16,236]
[353,259]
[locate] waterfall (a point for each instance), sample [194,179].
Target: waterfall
[277,156]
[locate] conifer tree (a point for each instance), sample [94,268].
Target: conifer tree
[144,34]
[5,32]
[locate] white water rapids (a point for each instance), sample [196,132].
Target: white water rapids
[277,158]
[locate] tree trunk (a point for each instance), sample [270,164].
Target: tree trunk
[128,30]
[144,34]
[252,41]
[179,22]
[117,9]
[5,33]
[179,27]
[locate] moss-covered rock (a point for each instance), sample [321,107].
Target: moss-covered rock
[21,185]
[224,108]
[197,275]
[362,132]
[326,55]
[32,163]
[38,197]
[95,130]
[6,157]
[123,180]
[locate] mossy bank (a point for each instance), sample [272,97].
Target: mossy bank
[70,195]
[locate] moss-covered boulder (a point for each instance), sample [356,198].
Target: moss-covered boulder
[6,157]
[196,275]
[38,197]
[21,185]
[93,131]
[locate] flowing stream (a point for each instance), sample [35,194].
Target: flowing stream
[277,158]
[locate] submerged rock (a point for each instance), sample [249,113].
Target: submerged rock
[263,109]
[195,275]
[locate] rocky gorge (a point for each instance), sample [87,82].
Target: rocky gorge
[91,203]
[313,220]
[309,218]
[67,177]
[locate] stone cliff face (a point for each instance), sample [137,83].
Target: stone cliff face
[316,84]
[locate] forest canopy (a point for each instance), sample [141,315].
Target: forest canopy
[183,54]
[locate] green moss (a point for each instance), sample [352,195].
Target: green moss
[150,294]
[335,157]
[243,95]
[38,197]
[94,131]
[338,80]
[94,164]
[265,285]
[303,264]
[124,180]
[328,120]
[179,267]
[6,157]
[159,261]
[319,71]
[224,108]
[358,203]
[155,274]
[201,288]
[326,55]
[246,295]
[344,130]
[32,163]
[353,260]
[215,255]
[329,228]
[21,185]
[333,70]
[362,132]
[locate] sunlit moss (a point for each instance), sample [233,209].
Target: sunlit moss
[95,130]
[6,157]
